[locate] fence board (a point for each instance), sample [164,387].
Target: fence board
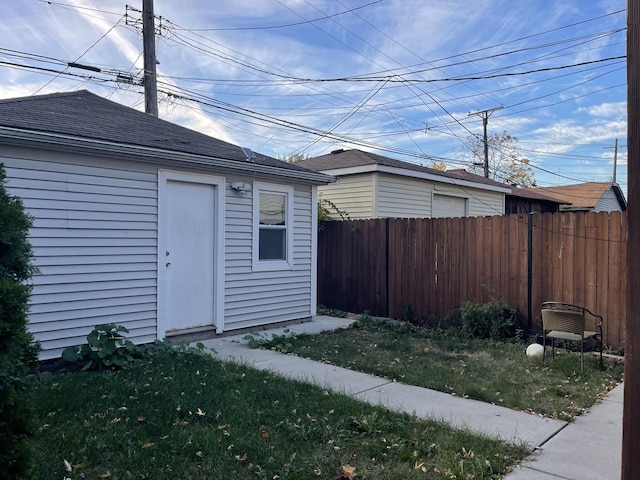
[433,265]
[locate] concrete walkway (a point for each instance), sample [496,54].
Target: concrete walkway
[582,450]
[590,448]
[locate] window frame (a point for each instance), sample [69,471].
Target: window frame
[288,192]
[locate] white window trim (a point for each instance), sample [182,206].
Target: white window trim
[270,265]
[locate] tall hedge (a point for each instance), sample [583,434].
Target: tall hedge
[18,352]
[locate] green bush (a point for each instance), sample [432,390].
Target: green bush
[106,347]
[495,320]
[18,351]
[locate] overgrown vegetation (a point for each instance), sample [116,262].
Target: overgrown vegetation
[332,312]
[328,211]
[18,352]
[179,413]
[489,370]
[106,347]
[495,320]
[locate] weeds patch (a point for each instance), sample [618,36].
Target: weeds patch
[492,371]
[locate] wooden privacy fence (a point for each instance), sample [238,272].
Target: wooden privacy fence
[429,266]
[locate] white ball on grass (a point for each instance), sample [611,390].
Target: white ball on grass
[535,350]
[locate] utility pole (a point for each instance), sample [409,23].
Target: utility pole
[615,160]
[149,47]
[631,408]
[485,114]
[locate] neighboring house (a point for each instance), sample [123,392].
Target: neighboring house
[519,200]
[374,186]
[590,196]
[149,225]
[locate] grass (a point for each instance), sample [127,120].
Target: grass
[177,414]
[489,371]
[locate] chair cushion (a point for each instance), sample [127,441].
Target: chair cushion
[570,336]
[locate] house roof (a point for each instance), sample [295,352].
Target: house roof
[584,196]
[87,119]
[528,193]
[345,162]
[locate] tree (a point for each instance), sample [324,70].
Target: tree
[439,166]
[18,352]
[506,163]
[293,157]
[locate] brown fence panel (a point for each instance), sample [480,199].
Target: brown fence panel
[424,268]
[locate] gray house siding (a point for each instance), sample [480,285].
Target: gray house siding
[608,202]
[95,242]
[402,197]
[256,298]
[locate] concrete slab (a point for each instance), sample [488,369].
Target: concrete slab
[337,379]
[479,417]
[320,323]
[529,474]
[590,448]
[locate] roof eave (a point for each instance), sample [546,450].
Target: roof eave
[620,195]
[30,138]
[371,168]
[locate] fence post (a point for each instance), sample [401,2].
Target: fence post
[386,264]
[529,268]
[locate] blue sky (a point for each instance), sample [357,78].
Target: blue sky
[397,77]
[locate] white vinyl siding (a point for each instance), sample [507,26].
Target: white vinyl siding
[94,240]
[352,194]
[255,298]
[398,196]
[402,197]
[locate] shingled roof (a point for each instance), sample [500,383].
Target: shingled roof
[528,193]
[86,116]
[584,196]
[346,159]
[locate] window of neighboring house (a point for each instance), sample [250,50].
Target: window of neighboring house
[273,227]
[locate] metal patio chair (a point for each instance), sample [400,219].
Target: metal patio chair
[565,321]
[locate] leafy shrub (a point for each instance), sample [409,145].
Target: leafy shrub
[495,320]
[18,351]
[106,347]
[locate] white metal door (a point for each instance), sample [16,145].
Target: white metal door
[189,254]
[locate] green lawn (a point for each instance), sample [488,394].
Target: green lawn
[180,415]
[490,371]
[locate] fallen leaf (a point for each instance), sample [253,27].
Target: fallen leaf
[67,466]
[199,454]
[106,474]
[347,472]
[265,434]
[200,413]
[147,445]
[141,419]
